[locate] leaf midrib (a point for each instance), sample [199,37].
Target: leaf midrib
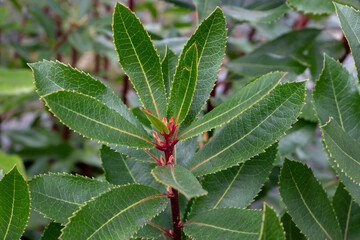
[12,210]
[58,199]
[221,228]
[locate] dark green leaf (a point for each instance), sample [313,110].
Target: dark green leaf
[312,6]
[271,229]
[117,214]
[52,231]
[168,67]
[291,230]
[307,202]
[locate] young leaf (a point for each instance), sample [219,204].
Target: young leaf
[139,60]
[54,76]
[117,214]
[48,191]
[225,223]
[307,202]
[210,38]
[336,94]
[251,132]
[271,228]
[186,87]
[52,231]
[343,149]
[156,122]
[179,178]
[236,186]
[235,105]
[168,67]
[95,120]
[14,205]
[347,212]
[312,6]
[291,230]
[349,21]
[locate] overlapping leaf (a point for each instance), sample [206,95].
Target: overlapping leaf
[312,6]
[252,132]
[168,67]
[139,60]
[117,214]
[52,231]
[271,229]
[291,230]
[205,7]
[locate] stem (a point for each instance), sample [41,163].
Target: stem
[175,213]
[162,229]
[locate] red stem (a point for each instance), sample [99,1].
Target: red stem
[162,229]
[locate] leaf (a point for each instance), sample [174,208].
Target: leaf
[271,228]
[343,149]
[291,230]
[210,38]
[349,20]
[312,6]
[336,94]
[139,60]
[205,7]
[15,82]
[353,3]
[54,76]
[307,202]
[236,186]
[157,123]
[117,214]
[264,16]
[186,87]
[179,178]
[138,154]
[9,161]
[347,212]
[251,132]
[14,205]
[241,101]
[52,231]
[97,122]
[168,67]
[48,191]
[225,223]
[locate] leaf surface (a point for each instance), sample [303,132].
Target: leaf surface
[168,67]
[49,190]
[179,178]
[156,122]
[95,120]
[291,230]
[52,231]
[312,6]
[139,60]
[205,7]
[271,229]
[14,205]
[252,132]
[117,214]
[242,100]
[307,202]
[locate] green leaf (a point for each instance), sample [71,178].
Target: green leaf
[52,231]
[14,205]
[249,15]
[139,60]
[307,202]
[205,7]
[225,223]
[97,121]
[9,161]
[54,76]
[210,38]
[168,67]
[353,3]
[186,87]
[179,178]
[236,186]
[312,6]
[271,229]
[336,94]
[117,214]
[48,191]
[291,230]
[156,122]
[343,149]
[347,212]
[349,20]
[251,132]
[138,154]
[241,101]
[15,82]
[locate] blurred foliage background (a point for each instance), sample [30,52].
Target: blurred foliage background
[264,36]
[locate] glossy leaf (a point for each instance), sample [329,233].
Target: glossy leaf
[48,191]
[271,229]
[312,6]
[225,223]
[349,21]
[117,214]
[307,202]
[168,67]
[242,100]
[210,38]
[236,186]
[256,129]
[291,230]
[205,7]
[139,60]
[186,87]
[15,82]
[156,122]
[179,178]
[93,119]
[14,205]
[52,231]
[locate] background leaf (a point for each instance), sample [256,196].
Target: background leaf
[312,6]
[52,231]
[271,228]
